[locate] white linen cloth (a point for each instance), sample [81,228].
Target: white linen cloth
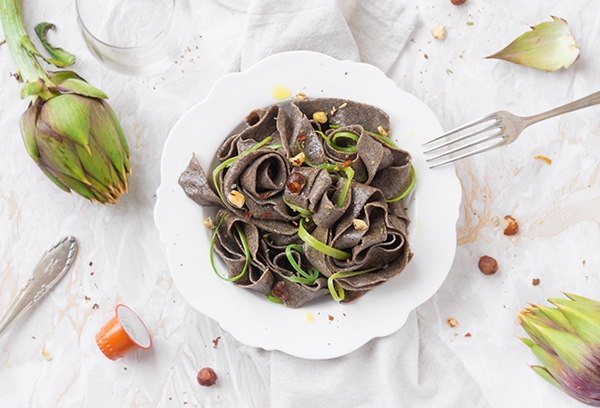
[412,367]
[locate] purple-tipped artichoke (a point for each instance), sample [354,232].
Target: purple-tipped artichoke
[69,129]
[566,340]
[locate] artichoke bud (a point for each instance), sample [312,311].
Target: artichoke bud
[76,139]
[566,339]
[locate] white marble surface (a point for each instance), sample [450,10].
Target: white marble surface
[121,259]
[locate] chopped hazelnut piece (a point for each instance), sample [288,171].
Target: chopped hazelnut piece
[510,225]
[46,355]
[236,198]
[382,131]
[452,322]
[439,32]
[495,221]
[298,159]
[536,282]
[488,265]
[207,377]
[301,96]
[320,117]
[360,225]
[210,224]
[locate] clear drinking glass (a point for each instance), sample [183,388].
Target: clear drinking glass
[135,37]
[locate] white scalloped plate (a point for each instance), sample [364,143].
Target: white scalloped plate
[337,329]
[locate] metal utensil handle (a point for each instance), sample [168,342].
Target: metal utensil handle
[52,265]
[585,102]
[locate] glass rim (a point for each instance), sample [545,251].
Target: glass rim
[116,47]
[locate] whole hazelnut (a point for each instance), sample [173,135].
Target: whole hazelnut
[510,225]
[458,2]
[207,377]
[488,265]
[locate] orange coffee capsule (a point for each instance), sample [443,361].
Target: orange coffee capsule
[123,334]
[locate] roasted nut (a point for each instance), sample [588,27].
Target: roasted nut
[495,221]
[360,225]
[458,2]
[236,198]
[439,32]
[207,377]
[320,117]
[280,291]
[301,96]
[488,265]
[295,182]
[510,225]
[382,131]
[536,282]
[452,322]
[209,223]
[298,159]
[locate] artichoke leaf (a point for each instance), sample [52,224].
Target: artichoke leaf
[568,346]
[61,57]
[98,165]
[68,115]
[58,77]
[57,153]
[54,179]
[79,187]
[79,87]
[122,137]
[550,46]
[584,317]
[105,135]
[32,88]
[546,375]
[28,131]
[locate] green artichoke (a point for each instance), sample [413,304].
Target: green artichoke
[566,340]
[76,139]
[69,129]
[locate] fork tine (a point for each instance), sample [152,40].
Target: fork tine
[453,159]
[467,136]
[489,117]
[466,146]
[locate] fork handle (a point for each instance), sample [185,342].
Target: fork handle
[590,100]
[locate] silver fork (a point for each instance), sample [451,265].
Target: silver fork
[504,126]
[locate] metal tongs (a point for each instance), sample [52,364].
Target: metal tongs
[52,265]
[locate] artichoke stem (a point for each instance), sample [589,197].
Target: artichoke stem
[22,50]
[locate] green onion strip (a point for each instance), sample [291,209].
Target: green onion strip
[411,186]
[304,212]
[274,299]
[331,280]
[244,244]
[373,133]
[318,245]
[229,161]
[335,146]
[308,278]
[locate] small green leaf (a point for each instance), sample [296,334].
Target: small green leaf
[31,88]
[550,46]
[80,87]
[58,77]
[62,58]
